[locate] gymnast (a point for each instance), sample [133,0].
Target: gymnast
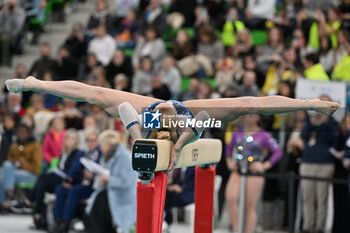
[129,107]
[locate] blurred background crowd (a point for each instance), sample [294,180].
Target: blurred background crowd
[182,50]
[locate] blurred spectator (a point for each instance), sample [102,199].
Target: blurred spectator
[260,141]
[327,54]
[9,127]
[249,64]
[37,10]
[182,46]
[231,27]
[22,165]
[171,76]
[120,64]
[101,116]
[121,82]
[225,72]
[342,68]
[152,46]
[142,79]
[101,15]
[122,7]
[41,116]
[205,91]
[192,91]
[14,105]
[270,51]
[313,68]
[77,186]
[185,8]
[4,148]
[248,86]
[202,17]
[49,180]
[53,141]
[298,42]
[180,192]
[329,25]
[319,134]
[72,116]
[103,45]
[159,89]
[244,44]
[154,15]
[258,11]
[282,69]
[97,77]
[128,27]
[76,42]
[44,63]
[209,45]
[85,69]
[65,66]
[88,124]
[113,204]
[50,101]
[11,20]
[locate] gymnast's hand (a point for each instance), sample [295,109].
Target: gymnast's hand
[17,85]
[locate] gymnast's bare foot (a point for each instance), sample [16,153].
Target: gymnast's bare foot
[325,107]
[17,85]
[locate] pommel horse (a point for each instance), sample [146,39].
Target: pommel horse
[151,157]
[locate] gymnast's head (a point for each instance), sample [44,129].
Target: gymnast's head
[168,112]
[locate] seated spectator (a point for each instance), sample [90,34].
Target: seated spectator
[268,52]
[150,46]
[128,27]
[101,116]
[49,180]
[202,17]
[97,77]
[14,105]
[4,148]
[44,63]
[22,165]
[154,15]
[76,187]
[258,11]
[209,45]
[86,68]
[65,66]
[41,116]
[171,76]
[180,192]
[182,46]
[313,68]
[192,91]
[76,42]
[249,64]
[103,45]
[121,82]
[37,10]
[89,123]
[225,72]
[244,44]
[11,20]
[114,202]
[205,91]
[159,89]
[327,54]
[122,7]
[50,101]
[101,15]
[330,25]
[142,79]
[185,7]
[231,27]
[120,64]
[71,114]
[248,86]
[283,69]
[53,141]
[342,68]
[9,129]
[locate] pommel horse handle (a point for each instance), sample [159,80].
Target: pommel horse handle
[150,157]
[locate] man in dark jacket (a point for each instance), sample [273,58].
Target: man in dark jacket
[44,64]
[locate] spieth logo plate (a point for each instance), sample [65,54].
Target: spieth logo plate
[144,156]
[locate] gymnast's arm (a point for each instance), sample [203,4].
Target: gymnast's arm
[107,98]
[228,109]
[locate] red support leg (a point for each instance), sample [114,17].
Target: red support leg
[150,204]
[204,200]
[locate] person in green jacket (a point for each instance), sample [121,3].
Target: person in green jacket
[231,27]
[313,68]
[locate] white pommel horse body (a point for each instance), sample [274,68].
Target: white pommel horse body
[150,157]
